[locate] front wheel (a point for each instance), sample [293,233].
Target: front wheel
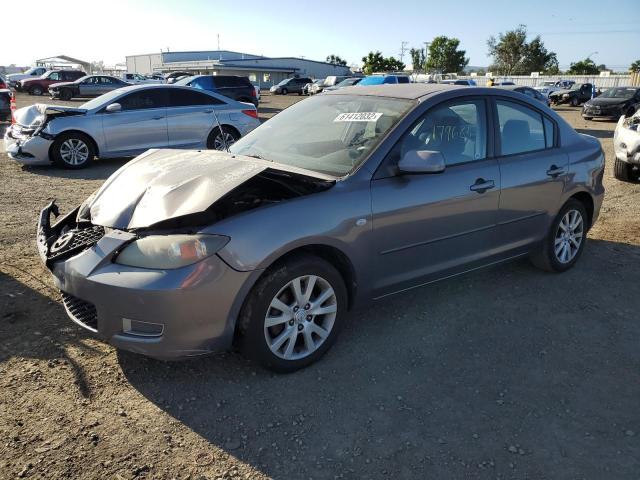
[565,241]
[72,150]
[65,94]
[222,139]
[622,170]
[293,314]
[284,91]
[35,90]
[574,102]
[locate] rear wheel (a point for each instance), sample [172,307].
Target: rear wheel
[35,90]
[574,102]
[588,118]
[222,139]
[285,91]
[293,314]
[72,150]
[622,170]
[565,241]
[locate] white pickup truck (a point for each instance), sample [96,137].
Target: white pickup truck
[137,79]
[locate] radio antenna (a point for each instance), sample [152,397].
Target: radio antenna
[223,136]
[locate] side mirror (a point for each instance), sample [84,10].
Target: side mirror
[113,108]
[421,161]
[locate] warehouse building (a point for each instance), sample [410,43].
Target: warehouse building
[262,71]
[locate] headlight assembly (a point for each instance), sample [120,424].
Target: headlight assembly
[170,251]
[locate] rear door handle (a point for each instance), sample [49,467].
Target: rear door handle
[555,171]
[157,118]
[208,111]
[482,185]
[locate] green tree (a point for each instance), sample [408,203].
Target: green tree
[418,58]
[635,67]
[583,67]
[513,55]
[445,57]
[336,60]
[374,62]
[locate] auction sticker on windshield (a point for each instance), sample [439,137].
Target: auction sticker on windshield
[358,117]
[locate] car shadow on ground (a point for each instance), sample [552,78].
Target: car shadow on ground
[99,169]
[596,133]
[32,325]
[505,370]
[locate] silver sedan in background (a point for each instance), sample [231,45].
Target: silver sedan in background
[341,199]
[127,122]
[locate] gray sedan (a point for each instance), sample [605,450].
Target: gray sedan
[88,86]
[125,123]
[339,200]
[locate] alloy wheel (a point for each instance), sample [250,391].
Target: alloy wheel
[300,317]
[74,151]
[569,236]
[223,140]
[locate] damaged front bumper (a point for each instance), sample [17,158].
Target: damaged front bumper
[626,140]
[26,148]
[165,314]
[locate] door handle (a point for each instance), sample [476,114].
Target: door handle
[157,118]
[208,111]
[482,185]
[555,171]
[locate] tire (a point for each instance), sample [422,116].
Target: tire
[545,256]
[66,94]
[630,112]
[588,118]
[574,102]
[66,144]
[35,90]
[284,91]
[216,139]
[622,170]
[295,325]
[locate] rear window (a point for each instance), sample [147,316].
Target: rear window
[185,98]
[403,79]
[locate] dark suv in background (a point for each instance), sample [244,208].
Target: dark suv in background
[232,86]
[38,86]
[290,85]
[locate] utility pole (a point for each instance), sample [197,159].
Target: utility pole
[426,55]
[218,42]
[403,48]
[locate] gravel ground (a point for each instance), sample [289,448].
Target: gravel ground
[504,373]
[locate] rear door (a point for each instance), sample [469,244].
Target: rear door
[429,225]
[190,117]
[90,87]
[533,169]
[142,123]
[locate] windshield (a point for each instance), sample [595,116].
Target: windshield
[319,81]
[377,80]
[623,93]
[284,82]
[331,134]
[347,82]
[30,71]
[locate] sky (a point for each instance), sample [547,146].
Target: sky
[607,31]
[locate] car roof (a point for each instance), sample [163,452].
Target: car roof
[510,87]
[410,91]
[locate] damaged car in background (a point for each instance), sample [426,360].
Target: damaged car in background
[612,103]
[339,200]
[125,123]
[626,144]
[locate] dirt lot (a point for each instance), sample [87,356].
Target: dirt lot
[504,373]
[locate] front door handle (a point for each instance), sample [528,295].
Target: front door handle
[208,111]
[555,171]
[482,185]
[157,118]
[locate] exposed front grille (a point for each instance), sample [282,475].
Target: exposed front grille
[74,241]
[83,313]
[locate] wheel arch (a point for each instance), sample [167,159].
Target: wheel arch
[75,130]
[587,201]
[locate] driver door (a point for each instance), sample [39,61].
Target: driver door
[427,226]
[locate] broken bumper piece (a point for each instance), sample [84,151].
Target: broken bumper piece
[29,150]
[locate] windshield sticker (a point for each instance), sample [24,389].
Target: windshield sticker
[358,117]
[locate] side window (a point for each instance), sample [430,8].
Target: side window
[455,129]
[187,98]
[144,99]
[54,76]
[549,133]
[203,83]
[521,128]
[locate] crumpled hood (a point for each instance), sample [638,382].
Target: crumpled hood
[164,184]
[26,116]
